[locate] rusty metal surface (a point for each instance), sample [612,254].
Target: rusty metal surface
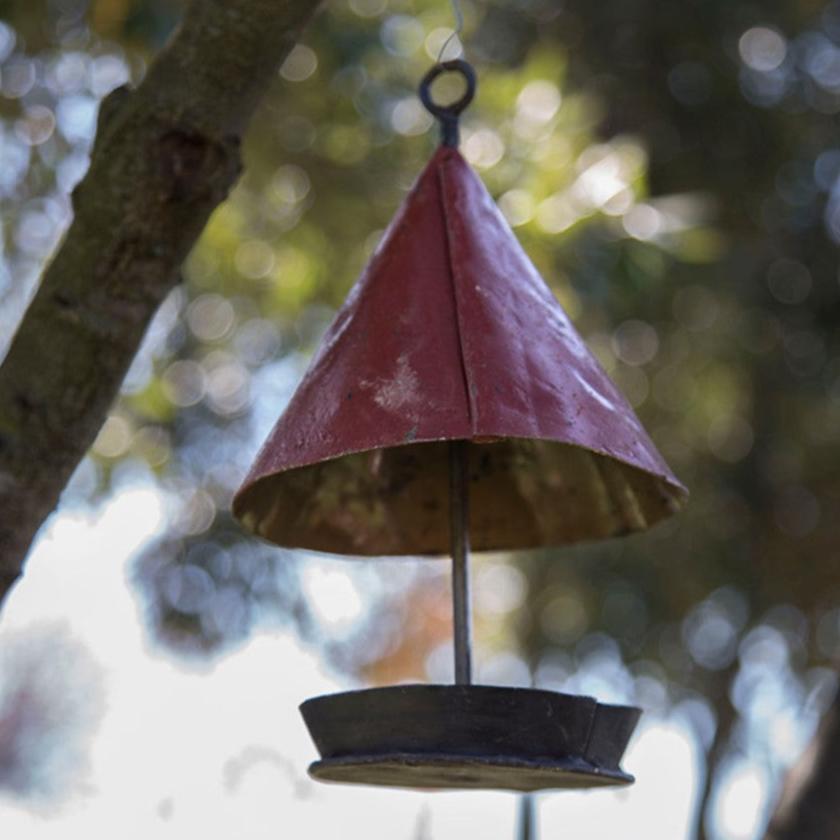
[451,334]
[464,772]
[444,736]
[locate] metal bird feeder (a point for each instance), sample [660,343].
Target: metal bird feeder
[452,404]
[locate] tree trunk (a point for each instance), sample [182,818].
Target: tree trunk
[165,155]
[809,804]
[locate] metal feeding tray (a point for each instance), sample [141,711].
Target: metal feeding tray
[468,736]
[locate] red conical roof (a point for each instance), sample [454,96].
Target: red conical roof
[451,334]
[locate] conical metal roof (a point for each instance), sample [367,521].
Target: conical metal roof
[451,334]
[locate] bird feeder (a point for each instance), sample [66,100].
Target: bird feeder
[453,405]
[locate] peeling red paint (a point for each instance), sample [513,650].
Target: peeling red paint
[451,334]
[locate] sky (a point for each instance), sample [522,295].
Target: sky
[165,750]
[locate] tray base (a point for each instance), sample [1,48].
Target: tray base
[463,773]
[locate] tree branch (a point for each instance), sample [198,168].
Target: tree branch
[165,155]
[717,688]
[808,806]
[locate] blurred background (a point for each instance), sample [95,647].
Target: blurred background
[673,170]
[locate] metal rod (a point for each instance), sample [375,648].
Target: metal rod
[527,829]
[460,546]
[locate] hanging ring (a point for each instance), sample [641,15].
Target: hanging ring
[447,115]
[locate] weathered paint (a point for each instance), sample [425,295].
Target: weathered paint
[451,334]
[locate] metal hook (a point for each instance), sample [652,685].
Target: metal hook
[447,115]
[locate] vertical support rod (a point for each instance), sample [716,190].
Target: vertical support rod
[527,829]
[460,547]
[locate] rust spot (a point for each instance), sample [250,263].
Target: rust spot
[402,390]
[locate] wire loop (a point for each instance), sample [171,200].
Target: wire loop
[447,115]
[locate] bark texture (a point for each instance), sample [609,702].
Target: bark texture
[165,155]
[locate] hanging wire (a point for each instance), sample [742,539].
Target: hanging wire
[458,14]
[448,115]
